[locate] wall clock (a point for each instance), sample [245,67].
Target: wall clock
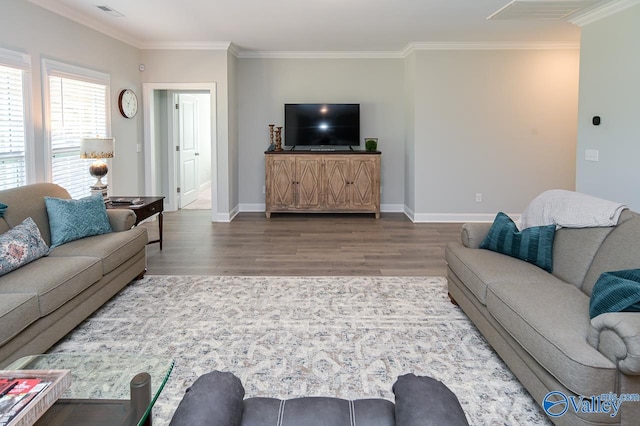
[128,103]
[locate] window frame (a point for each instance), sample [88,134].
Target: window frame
[53,68]
[22,61]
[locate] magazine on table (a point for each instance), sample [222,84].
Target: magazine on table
[25,395]
[17,395]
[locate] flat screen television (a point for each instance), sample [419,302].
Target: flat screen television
[322,124]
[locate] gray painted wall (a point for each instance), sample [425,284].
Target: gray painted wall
[497,122]
[265,85]
[449,123]
[42,34]
[609,88]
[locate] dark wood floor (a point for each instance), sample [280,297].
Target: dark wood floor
[298,244]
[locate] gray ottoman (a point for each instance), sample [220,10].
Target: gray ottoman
[217,399]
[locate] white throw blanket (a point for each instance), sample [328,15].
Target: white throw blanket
[570,209]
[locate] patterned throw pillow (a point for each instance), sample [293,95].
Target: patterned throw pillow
[616,291]
[71,220]
[20,245]
[533,245]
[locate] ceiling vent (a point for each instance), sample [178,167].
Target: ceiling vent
[110,11]
[533,9]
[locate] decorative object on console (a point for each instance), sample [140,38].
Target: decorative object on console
[278,139]
[272,146]
[371,144]
[98,149]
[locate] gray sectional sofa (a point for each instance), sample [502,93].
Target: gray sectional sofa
[42,301]
[539,322]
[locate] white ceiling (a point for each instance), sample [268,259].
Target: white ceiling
[314,25]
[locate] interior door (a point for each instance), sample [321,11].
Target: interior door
[188,155]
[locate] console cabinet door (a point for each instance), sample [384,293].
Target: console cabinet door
[363,182]
[307,181]
[337,182]
[280,182]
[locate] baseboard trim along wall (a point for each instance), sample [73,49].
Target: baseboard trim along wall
[397,208]
[457,217]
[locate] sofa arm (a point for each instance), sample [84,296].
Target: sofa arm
[121,219]
[214,399]
[473,234]
[424,401]
[617,336]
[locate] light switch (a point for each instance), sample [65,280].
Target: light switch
[591,154]
[139,147]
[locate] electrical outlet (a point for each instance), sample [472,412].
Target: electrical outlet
[591,154]
[478,197]
[264,189]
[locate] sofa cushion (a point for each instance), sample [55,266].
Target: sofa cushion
[551,322]
[55,280]
[114,248]
[573,251]
[28,201]
[533,245]
[476,268]
[70,220]
[617,291]
[17,311]
[20,245]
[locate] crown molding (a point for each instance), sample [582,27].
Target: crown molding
[412,47]
[60,9]
[187,45]
[601,12]
[282,54]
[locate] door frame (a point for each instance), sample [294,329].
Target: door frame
[148,90]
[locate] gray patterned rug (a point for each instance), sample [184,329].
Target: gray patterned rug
[289,336]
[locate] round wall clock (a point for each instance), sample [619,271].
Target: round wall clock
[128,103]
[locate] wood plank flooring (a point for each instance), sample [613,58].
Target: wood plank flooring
[298,244]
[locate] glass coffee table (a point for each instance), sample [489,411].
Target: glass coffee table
[109,389]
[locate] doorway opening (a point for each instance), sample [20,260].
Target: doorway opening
[180,145]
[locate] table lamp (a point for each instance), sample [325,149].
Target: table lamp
[98,149]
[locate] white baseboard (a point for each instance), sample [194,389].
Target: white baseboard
[456,217]
[252,207]
[400,208]
[226,217]
[392,208]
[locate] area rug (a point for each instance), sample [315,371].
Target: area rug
[287,337]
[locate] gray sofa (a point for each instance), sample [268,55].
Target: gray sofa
[42,301]
[217,398]
[539,323]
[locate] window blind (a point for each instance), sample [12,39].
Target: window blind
[77,109]
[12,128]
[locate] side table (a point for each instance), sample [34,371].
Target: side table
[150,206]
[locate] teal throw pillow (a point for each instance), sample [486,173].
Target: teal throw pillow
[71,220]
[617,291]
[20,245]
[3,207]
[533,245]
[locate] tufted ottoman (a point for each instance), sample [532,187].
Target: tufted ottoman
[217,399]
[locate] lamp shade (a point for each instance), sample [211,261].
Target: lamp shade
[97,147]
